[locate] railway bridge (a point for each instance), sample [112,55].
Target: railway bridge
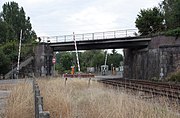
[145,57]
[119,39]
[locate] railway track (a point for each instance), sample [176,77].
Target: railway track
[155,88]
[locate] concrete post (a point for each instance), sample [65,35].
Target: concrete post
[89,82]
[44,114]
[40,101]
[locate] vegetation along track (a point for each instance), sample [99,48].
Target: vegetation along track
[156,88]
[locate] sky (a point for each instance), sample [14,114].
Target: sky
[63,17]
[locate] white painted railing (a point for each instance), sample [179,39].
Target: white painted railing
[91,36]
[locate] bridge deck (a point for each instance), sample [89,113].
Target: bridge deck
[99,40]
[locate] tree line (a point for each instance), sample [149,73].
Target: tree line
[164,19]
[91,58]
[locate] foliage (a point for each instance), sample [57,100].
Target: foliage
[12,20]
[11,50]
[173,32]
[90,58]
[174,77]
[171,9]
[9,54]
[114,58]
[4,62]
[15,19]
[64,61]
[149,21]
[3,35]
[155,20]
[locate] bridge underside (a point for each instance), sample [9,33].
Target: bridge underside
[128,42]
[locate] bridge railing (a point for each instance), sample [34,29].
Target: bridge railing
[91,36]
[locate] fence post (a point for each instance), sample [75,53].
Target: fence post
[35,100]
[40,102]
[64,38]
[65,81]
[82,36]
[103,35]
[56,38]
[36,104]
[89,82]
[39,113]
[92,36]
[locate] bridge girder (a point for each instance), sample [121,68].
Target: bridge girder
[132,42]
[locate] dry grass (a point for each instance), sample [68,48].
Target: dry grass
[20,102]
[6,86]
[77,100]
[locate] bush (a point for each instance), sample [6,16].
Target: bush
[174,32]
[174,77]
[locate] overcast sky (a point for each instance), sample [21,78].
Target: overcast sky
[61,17]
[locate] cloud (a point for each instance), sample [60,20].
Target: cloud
[58,17]
[93,19]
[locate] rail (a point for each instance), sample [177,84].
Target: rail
[164,89]
[91,36]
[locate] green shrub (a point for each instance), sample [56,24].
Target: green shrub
[174,77]
[174,32]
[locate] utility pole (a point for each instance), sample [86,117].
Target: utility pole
[19,54]
[76,52]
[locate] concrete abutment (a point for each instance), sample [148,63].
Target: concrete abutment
[160,58]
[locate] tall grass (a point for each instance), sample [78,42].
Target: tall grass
[20,103]
[77,100]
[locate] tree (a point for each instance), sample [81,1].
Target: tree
[171,9]
[114,58]
[150,21]
[4,63]
[15,18]
[3,29]
[64,61]
[90,58]
[10,49]
[12,21]
[6,31]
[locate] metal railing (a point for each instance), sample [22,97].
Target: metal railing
[91,36]
[22,64]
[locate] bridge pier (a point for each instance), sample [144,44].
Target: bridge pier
[128,55]
[141,63]
[43,60]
